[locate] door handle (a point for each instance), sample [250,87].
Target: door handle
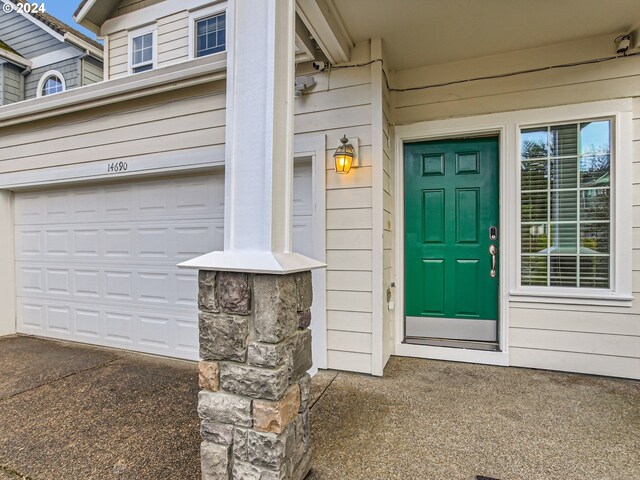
[493,251]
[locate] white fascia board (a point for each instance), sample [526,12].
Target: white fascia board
[327,29]
[185,74]
[148,15]
[35,21]
[15,59]
[55,57]
[84,45]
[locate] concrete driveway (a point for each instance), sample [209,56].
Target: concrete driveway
[75,412]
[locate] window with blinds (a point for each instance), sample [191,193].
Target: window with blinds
[565,205]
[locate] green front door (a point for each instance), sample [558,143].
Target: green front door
[451,228]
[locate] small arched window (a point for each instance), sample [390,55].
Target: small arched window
[51,83]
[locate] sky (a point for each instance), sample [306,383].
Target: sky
[63,10]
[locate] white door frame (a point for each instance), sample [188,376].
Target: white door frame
[436,130]
[315,147]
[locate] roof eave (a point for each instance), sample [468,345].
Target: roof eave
[15,59]
[87,47]
[87,16]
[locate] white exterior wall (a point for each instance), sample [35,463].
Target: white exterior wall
[180,121]
[172,44]
[117,54]
[601,340]
[192,120]
[173,39]
[340,103]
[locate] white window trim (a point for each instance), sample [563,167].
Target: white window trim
[47,75]
[620,291]
[199,14]
[153,29]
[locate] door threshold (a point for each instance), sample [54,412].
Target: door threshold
[452,343]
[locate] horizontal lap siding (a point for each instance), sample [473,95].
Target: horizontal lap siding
[387,226]
[118,54]
[92,71]
[140,127]
[173,39]
[340,103]
[589,339]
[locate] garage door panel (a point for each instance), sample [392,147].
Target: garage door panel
[164,334]
[147,200]
[140,284]
[169,244]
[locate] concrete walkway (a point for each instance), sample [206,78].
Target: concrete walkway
[75,412]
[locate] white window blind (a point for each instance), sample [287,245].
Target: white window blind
[565,205]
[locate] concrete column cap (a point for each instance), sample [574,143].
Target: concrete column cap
[253,262]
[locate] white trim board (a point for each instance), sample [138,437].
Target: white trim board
[164,79]
[55,57]
[315,147]
[507,125]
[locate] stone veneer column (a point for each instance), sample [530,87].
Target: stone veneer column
[255,347]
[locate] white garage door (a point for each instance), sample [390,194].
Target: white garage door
[98,264]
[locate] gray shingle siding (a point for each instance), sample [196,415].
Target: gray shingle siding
[68,68]
[12,84]
[92,71]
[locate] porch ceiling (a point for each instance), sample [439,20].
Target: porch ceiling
[430,32]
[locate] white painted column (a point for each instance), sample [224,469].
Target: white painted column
[7,266]
[259,142]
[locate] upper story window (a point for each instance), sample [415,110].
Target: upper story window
[210,35]
[51,83]
[208,30]
[566,193]
[142,50]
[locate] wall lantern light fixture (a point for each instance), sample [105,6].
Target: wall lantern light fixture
[345,155]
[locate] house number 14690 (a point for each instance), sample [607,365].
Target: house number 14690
[117,167]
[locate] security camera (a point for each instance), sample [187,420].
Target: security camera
[320,66]
[623,43]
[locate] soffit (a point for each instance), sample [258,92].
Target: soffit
[430,32]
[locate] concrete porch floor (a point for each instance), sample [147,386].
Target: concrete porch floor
[74,412]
